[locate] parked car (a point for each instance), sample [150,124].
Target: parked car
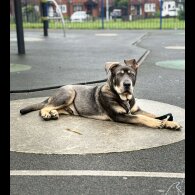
[116,13]
[79,16]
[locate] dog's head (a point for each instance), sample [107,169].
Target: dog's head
[122,77]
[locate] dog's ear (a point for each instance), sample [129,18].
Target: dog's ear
[132,63]
[110,65]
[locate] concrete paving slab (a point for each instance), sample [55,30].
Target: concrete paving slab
[77,135]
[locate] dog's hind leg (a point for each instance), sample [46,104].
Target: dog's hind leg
[45,112]
[54,114]
[62,99]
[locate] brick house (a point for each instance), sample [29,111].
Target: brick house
[68,7]
[144,7]
[92,7]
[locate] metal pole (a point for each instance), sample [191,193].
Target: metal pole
[19,27]
[107,10]
[61,15]
[102,13]
[45,17]
[161,7]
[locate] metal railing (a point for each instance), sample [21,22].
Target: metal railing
[32,18]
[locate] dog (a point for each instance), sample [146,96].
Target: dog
[113,101]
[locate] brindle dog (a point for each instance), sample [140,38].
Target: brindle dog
[112,101]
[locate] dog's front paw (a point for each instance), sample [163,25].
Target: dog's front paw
[172,125]
[155,123]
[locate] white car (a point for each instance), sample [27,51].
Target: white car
[79,16]
[116,13]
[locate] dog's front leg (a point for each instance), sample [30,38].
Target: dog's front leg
[137,111]
[140,120]
[142,112]
[146,121]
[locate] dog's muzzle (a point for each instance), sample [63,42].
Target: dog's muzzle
[127,86]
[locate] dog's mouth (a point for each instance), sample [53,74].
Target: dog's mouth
[127,92]
[126,95]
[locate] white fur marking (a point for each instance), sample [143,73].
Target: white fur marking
[117,89]
[134,108]
[123,97]
[129,96]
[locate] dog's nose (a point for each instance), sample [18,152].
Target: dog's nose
[126,84]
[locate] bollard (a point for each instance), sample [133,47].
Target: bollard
[19,27]
[45,17]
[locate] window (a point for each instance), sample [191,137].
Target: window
[150,7]
[77,7]
[63,8]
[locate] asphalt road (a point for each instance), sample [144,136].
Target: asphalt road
[153,82]
[78,57]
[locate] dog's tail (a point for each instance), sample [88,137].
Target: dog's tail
[33,107]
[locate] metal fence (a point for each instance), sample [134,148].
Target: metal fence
[104,14]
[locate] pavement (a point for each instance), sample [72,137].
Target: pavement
[80,57]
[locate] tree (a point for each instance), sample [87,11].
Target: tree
[121,3]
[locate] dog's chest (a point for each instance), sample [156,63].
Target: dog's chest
[125,105]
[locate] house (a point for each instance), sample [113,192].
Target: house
[68,7]
[169,8]
[71,6]
[144,8]
[172,7]
[92,7]
[135,8]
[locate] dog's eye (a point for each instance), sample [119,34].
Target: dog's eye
[131,73]
[121,72]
